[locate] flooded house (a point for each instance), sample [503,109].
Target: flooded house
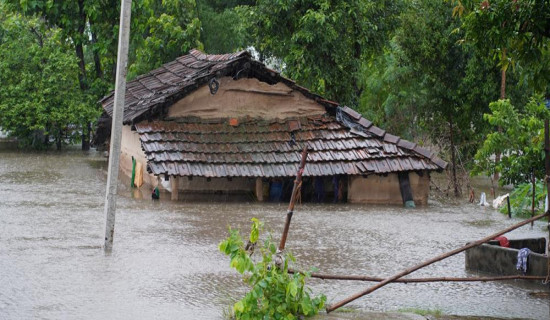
[226,126]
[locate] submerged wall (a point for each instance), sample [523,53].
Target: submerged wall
[373,189]
[380,189]
[131,146]
[502,261]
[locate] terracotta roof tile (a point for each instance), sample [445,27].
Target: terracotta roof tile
[352,113]
[365,123]
[190,149]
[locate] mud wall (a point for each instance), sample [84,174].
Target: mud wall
[131,146]
[245,97]
[384,189]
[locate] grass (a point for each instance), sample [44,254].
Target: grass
[422,312]
[347,310]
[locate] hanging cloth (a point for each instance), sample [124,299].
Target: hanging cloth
[523,256]
[503,241]
[483,200]
[155,194]
[138,179]
[133,172]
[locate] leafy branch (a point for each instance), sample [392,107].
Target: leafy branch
[274,294]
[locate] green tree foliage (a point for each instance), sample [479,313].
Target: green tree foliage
[323,43]
[222,29]
[427,83]
[521,199]
[521,141]
[40,99]
[274,294]
[513,31]
[162,31]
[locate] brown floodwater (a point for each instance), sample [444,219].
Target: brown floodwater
[165,263]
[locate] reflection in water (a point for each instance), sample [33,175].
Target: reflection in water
[165,263]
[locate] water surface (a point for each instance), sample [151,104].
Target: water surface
[165,263]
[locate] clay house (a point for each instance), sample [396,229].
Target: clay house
[226,126]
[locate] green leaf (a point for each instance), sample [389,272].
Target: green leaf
[238,307]
[292,289]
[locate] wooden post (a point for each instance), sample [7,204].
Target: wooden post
[116,127]
[259,189]
[405,188]
[533,194]
[547,174]
[297,187]
[509,208]
[429,262]
[174,183]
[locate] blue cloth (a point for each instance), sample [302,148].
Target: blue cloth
[276,191]
[523,255]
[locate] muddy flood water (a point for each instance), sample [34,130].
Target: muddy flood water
[165,263]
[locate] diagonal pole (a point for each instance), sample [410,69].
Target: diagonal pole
[295,191]
[116,128]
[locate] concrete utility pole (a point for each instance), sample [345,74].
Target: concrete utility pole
[116,128]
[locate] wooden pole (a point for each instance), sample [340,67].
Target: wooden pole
[533,194]
[295,190]
[116,127]
[174,184]
[547,178]
[509,208]
[429,262]
[259,189]
[419,280]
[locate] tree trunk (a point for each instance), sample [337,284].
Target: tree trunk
[496,176]
[453,159]
[79,48]
[97,60]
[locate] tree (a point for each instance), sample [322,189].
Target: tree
[161,31]
[520,141]
[321,43]
[516,34]
[40,98]
[513,31]
[436,85]
[222,28]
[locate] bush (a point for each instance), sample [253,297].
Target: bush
[274,294]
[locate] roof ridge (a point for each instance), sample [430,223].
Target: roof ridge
[199,55]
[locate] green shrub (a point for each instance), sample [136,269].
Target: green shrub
[521,199]
[274,294]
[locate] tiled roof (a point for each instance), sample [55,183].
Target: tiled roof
[345,144]
[148,95]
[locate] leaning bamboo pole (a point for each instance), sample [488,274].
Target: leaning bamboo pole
[295,190]
[418,280]
[429,262]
